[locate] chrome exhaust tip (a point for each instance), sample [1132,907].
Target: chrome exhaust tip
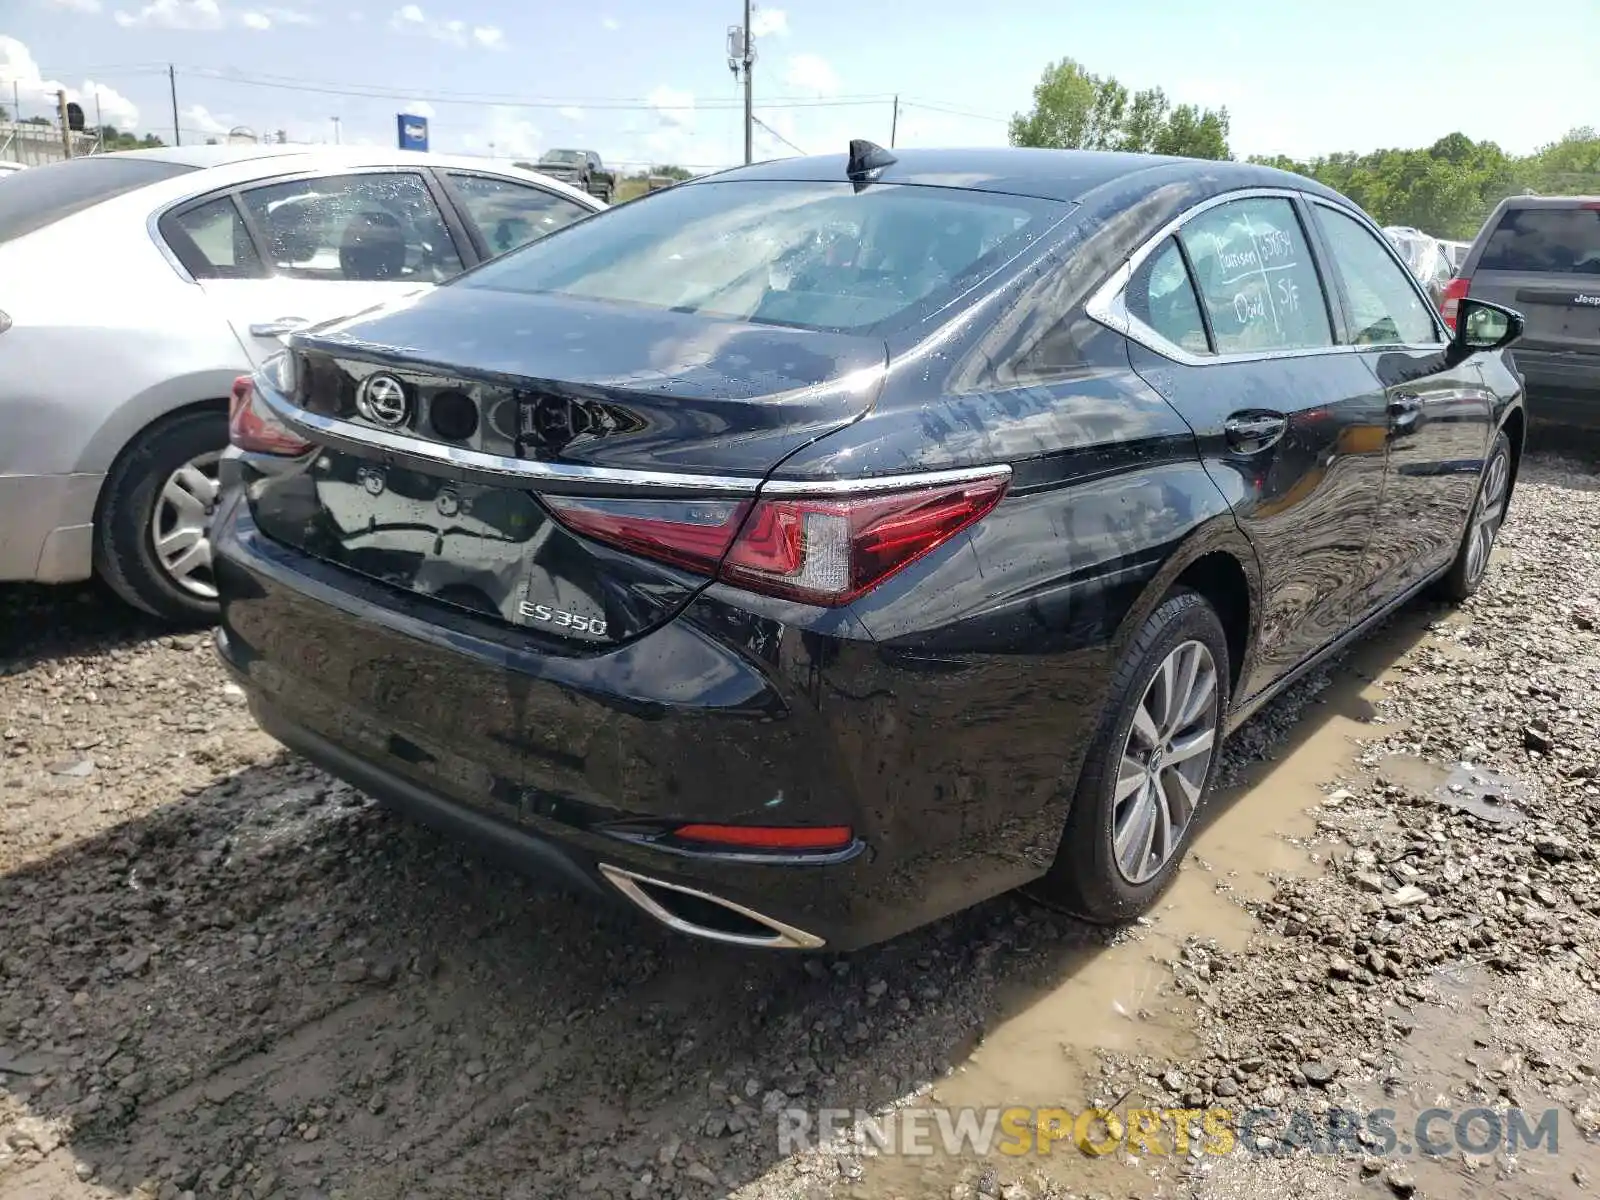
[691,911]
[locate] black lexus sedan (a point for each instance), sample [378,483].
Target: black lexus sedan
[814,549]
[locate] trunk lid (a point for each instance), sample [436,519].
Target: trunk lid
[1543,259]
[564,396]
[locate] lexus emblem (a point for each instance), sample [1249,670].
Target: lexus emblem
[382,400]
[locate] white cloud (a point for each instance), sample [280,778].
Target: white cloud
[83,6]
[421,108]
[673,108]
[198,119]
[175,14]
[17,67]
[506,134]
[611,24]
[255,20]
[409,18]
[571,112]
[811,73]
[769,22]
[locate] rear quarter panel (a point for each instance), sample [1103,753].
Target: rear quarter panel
[102,344]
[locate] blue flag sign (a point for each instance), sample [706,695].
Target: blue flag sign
[413,131]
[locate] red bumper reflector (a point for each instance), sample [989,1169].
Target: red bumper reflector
[758,837]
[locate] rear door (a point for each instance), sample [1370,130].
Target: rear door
[1289,424]
[280,256]
[1542,258]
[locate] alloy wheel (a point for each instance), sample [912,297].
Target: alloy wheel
[1164,764]
[1487,516]
[180,525]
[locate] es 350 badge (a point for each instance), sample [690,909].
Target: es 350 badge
[544,614]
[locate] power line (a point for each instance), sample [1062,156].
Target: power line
[954,112]
[776,134]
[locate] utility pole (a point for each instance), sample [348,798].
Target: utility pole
[749,95]
[99,129]
[894,121]
[336,140]
[172,83]
[66,128]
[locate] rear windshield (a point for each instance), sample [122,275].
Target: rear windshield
[41,196]
[1551,241]
[809,255]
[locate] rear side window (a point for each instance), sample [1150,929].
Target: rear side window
[1161,297]
[1257,278]
[212,242]
[1545,241]
[510,214]
[366,228]
[41,196]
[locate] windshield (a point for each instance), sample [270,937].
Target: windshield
[563,156]
[41,196]
[809,255]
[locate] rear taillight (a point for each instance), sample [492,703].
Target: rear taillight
[819,550]
[251,427]
[1454,293]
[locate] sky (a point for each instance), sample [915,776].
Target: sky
[647,81]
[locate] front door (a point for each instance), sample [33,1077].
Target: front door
[1289,425]
[1439,411]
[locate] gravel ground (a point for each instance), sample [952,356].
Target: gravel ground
[222,973]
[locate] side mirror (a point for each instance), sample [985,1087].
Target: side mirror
[1484,326]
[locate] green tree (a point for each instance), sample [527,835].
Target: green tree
[1193,133]
[1074,109]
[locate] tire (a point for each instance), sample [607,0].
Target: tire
[136,498]
[1489,506]
[1092,877]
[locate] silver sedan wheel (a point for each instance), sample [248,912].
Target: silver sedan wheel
[1487,516]
[1164,763]
[180,525]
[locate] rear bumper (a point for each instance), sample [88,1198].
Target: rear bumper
[47,526]
[1562,387]
[556,762]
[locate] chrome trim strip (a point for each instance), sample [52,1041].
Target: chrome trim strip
[784,937]
[881,483]
[336,432]
[1108,304]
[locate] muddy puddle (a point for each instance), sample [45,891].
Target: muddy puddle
[1465,787]
[1467,1122]
[1122,999]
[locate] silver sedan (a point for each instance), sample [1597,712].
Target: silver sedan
[138,286]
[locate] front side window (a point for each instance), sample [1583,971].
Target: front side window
[1257,278]
[1160,297]
[1544,240]
[510,214]
[1384,308]
[804,254]
[368,228]
[211,241]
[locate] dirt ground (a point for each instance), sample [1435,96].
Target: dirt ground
[224,974]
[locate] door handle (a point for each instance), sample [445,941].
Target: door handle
[1249,432]
[1404,409]
[278,328]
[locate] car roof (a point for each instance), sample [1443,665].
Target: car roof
[1069,175]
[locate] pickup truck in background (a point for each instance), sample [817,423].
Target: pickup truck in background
[580,168]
